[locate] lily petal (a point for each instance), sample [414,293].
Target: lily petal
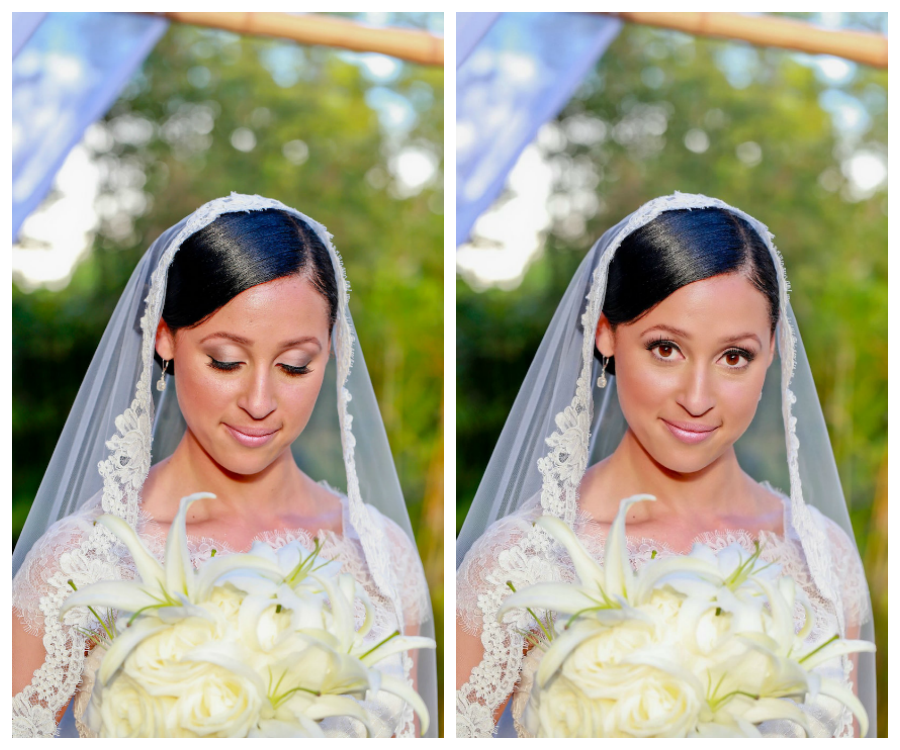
[682,566]
[559,597]
[767,709]
[588,571]
[340,609]
[148,567]
[124,643]
[395,646]
[277,728]
[398,687]
[179,571]
[224,655]
[125,596]
[616,565]
[563,645]
[213,570]
[337,705]
[836,690]
[834,649]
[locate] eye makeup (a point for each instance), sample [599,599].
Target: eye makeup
[749,356]
[292,370]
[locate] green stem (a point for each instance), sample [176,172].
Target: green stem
[379,645]
[714,705]
[93,612]
[818,648]
[278,700]
[531,612]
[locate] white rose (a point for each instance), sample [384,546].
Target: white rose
[219,703]
[596,665]
[125,709]
[655,704]
[227,599]
[565,711]
[155,663]
[665,603]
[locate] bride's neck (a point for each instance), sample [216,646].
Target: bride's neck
[280,489]
[630,470]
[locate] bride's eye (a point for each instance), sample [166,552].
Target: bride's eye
[737,359]
[229,366]
[664,344]
[664,350]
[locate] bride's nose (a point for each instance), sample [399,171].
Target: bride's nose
[697,395]
[258,395]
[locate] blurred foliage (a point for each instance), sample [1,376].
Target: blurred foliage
[622,139]
[165,148]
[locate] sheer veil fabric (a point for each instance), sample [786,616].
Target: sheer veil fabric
[104,455]
[560,425]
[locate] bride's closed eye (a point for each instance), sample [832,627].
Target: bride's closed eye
[292,370]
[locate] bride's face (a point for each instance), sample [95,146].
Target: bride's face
[689,373]
[248,377]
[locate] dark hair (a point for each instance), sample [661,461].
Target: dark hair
[678,248]
[240,250]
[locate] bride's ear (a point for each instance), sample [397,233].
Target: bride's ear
[605,340]
[165,341]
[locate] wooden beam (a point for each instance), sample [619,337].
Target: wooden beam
[767,31]
[407,44]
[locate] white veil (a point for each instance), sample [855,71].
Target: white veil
[560,425]
[115,425]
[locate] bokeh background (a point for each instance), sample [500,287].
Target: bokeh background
[353,140]
[799,142]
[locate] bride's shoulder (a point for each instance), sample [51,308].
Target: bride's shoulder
[501,535]
[47,557]
[68,531]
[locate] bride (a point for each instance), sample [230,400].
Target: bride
[241,304]
[673,367]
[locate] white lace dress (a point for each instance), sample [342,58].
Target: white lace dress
[500,556]
[55,558]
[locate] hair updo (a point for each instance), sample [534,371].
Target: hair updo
[240,250]
[680,247]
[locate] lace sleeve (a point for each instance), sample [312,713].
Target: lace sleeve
[511,551]
[411,583]
[472,578]
[849,571]
[38,590]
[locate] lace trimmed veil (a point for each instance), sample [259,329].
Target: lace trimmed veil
[119,420]
[560,425]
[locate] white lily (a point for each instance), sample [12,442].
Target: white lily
[172,585]
[278,624]
[713,632]
[349,641]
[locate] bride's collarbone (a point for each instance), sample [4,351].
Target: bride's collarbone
[757,510]
[321,512]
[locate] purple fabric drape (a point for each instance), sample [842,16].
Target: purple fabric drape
[520,74]
[65,76]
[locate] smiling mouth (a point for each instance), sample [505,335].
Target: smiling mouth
[253,434]
[690,433]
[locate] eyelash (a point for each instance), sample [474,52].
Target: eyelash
[749,356]
[230,366]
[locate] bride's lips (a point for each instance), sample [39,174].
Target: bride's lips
[252,437]
[688,437]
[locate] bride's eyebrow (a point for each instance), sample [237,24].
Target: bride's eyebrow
[247,342]
[685,335]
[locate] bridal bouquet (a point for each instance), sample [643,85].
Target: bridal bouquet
[695,645]
[262,644]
